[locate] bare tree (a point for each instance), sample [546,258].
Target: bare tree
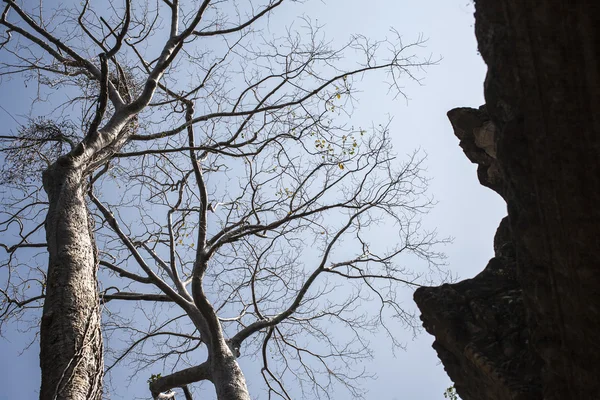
[203,167]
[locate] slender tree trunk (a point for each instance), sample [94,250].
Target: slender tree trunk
[70,335]
[228,378]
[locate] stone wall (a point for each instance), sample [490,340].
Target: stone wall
[530,331]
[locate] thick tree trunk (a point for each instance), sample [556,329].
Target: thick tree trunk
[228,378]
[70,334]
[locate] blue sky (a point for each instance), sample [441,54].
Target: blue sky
[466,211]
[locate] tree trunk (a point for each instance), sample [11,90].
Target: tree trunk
[70,334]
[228,378]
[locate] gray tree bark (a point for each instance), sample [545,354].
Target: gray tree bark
[70,334]
[228,378]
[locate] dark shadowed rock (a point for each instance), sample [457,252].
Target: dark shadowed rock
[526,327]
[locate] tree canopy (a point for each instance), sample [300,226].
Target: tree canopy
[210,172]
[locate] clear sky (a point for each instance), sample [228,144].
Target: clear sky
[466,211]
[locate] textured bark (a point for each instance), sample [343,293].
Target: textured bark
[222,370]
[228,378]
[70,335]
[181,378]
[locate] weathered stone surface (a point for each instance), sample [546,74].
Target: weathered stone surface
[477,138]
[482,336]
[543,103]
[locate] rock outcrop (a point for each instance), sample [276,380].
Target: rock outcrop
[526,327]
